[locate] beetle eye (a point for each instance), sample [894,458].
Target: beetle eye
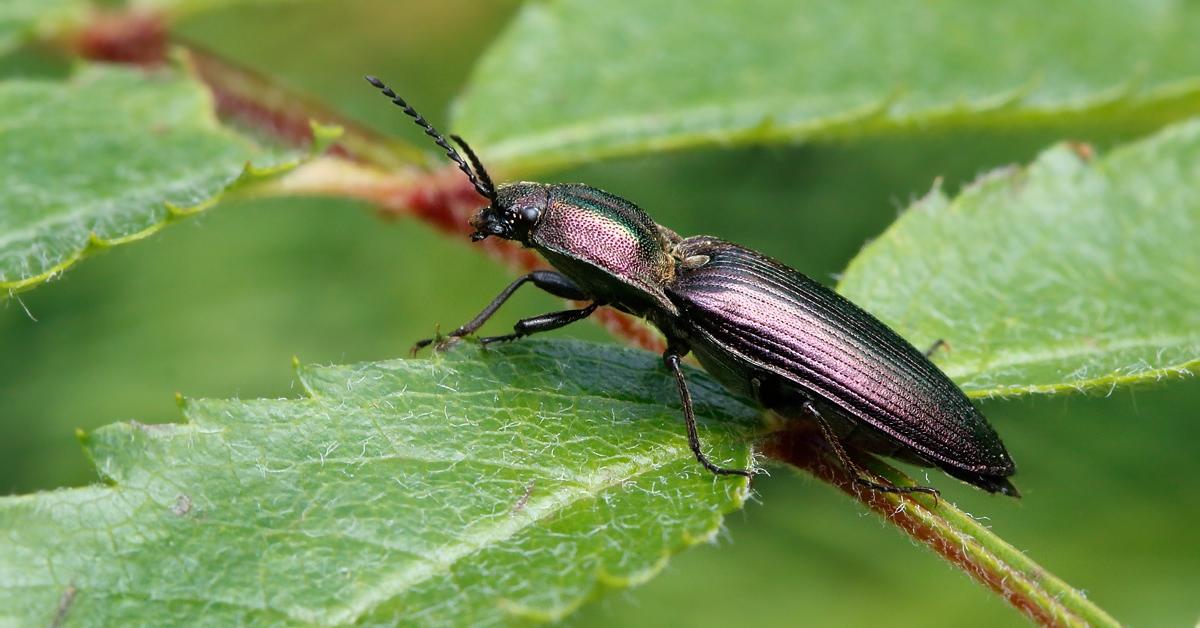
[530,214]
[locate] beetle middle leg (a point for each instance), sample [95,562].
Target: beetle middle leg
[671,359]
[853,467]
[556,284]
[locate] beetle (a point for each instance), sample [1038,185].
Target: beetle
[764,330]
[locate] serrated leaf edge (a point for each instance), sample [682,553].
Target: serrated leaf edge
[388,588]
[937,197]
[568,145]
[323,137]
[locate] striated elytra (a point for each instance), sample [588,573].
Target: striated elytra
[764,330]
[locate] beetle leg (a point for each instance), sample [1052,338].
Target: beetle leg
[545,322]
[671,359]
[853,467]
[556,284]
[937,344]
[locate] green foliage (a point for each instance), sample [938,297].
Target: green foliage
[682,74]
[176,9]
[1068,274]
[87,177]
[282,527]
[467,488]
[22,20]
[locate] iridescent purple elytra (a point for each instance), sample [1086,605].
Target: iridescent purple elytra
[762,329]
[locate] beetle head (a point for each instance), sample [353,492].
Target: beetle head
[607,244]
[513,215]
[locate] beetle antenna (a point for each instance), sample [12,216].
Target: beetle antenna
[481,182]
[475,163]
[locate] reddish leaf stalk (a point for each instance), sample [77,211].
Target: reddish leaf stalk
[949,532]
[135,36]
[254,102]
[243,97]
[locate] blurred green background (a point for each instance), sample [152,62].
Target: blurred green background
[217,305]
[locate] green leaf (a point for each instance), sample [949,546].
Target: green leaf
[1068,274]
[467,489]
[107,157]
[22,20]
[682,73]
[176,9]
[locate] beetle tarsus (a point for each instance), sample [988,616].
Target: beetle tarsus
[903,490]
[671,359]
[421,344]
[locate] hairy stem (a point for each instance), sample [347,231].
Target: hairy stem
[951,533]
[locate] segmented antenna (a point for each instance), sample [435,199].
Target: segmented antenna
[479,177]
[479,169]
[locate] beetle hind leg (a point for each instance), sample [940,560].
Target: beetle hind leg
[856,470]
[892,488]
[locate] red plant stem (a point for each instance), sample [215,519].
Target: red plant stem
[243,98]
[248,100]
[135,36]
[947,531]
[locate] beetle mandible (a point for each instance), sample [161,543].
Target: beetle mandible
[762,329]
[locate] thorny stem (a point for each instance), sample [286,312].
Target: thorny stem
[383,172]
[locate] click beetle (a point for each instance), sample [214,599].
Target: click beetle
[762,329]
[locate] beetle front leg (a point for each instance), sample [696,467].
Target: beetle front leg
[545,322]
[556,284]
[671,359]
